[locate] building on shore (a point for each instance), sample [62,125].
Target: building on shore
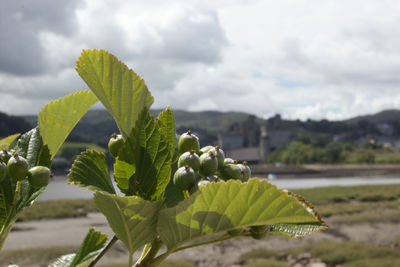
[252,140]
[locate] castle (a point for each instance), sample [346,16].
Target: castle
[251,140]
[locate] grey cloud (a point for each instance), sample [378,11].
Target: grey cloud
[195,41]
[21,23]
[179,49]
[194,37]
[361,59]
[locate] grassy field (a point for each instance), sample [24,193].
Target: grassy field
[346,254]
[168,263]
[346,204]
[47,255]
[37,255]
[339,205]
[357,204]
[58,209]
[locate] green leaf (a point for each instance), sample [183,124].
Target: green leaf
[122,172]
[294,230]
[299,229]
[166,126]
[119,88]
[58,118]
[91,246]
[90,170]
[7,189]
[147,150]
[173,195]
[6,142]
[7,216]
[63,261]
[3,206]
[30,146]
[219,207]
[132,219]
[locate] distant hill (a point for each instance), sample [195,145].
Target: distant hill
[12,124]
[97,124]
[386,116]
[212,121]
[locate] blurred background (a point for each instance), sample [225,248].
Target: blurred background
[305,91]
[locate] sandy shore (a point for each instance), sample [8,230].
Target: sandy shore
[71,232]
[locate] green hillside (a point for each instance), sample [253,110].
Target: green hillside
[99,123]
[386,116]
[12,124]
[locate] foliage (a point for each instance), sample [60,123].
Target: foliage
[150,214]
[123,93]
[91,246]
[6,142]
[302,151]
[57,119]
[39,146]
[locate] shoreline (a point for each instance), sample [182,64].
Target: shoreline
[328,171]
[316,171]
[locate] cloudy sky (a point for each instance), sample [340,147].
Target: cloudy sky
[304,59]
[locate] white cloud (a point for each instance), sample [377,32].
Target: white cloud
[319,59]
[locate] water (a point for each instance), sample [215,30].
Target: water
[60,189]
[323,182]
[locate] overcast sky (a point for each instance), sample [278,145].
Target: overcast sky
[303,59]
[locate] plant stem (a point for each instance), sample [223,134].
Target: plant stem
[109,245]
[144,252]
[186,194]
[162,257]
[10,220]
[222,238]
[147,261]
[16,195]
[130,260]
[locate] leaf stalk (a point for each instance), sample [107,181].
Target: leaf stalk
[101,254]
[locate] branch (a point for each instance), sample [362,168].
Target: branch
[109,245]
[163,256]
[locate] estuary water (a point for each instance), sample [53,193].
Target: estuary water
[60,189]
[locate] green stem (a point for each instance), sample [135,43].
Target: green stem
[147,261]
[186,194]
[5,231]
[16,195]
[162,257]
[130,259]
[98,257]
[10,220]
[144,252]
[222,238]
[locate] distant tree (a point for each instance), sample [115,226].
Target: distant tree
[12,124]
[366,156]
[304,138]
[333,152]
[349,146]
[323,140]
[297,153]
